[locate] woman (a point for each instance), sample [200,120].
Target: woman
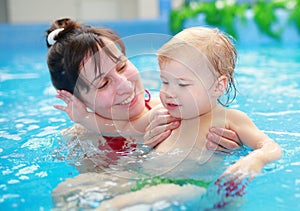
[89,69]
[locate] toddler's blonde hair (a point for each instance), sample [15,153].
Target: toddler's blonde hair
[209,42]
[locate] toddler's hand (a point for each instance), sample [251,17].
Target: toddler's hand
[75,109]
[245,168]
[234,180]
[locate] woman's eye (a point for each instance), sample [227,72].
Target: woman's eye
[121,66]
[103,84]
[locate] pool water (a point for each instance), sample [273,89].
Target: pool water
[31,167]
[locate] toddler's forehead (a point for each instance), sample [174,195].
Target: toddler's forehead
[191,58]
[200,68]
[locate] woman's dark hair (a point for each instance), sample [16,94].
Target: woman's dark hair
[72,45]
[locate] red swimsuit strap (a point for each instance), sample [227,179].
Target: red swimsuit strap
[148,100]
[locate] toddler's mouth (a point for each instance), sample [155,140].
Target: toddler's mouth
[172,106]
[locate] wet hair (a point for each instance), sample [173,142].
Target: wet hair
[210,43]
[73,45]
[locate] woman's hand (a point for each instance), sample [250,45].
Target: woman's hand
[75,109]
[160,127]
[222,140]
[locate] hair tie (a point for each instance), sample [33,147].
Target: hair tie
[52,35]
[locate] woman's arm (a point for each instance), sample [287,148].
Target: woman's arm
[155,125]
[78,113]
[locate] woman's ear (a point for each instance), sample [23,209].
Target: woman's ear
[221,85]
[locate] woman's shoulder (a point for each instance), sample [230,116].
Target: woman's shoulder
[155,102]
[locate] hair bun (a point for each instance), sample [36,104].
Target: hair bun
[60,28]
[63,22]
[51,38]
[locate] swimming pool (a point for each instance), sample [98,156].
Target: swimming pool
[34,162]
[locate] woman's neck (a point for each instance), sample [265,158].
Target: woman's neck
[139,115]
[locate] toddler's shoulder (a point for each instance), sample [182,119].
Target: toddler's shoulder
[235,114]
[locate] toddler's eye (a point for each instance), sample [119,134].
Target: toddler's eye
[183,85]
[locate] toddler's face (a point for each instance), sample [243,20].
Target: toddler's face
[186,91]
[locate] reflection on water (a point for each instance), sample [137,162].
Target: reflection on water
[141,173]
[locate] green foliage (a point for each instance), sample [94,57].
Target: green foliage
[224,13]
[265,17]
[163,180]
[295,14]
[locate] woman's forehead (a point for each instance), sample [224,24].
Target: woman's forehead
[100,63]
[112,46]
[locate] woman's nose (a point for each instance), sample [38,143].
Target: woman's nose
[124,85]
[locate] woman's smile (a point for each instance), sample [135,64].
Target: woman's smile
[128,100]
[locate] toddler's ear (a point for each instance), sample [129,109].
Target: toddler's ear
[221,85]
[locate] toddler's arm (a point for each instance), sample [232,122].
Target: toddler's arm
[265,149]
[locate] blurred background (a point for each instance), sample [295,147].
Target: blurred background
[277,20]
[264,21]
[35,11]
[29,19]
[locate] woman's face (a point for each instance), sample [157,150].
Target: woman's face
[116,91]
